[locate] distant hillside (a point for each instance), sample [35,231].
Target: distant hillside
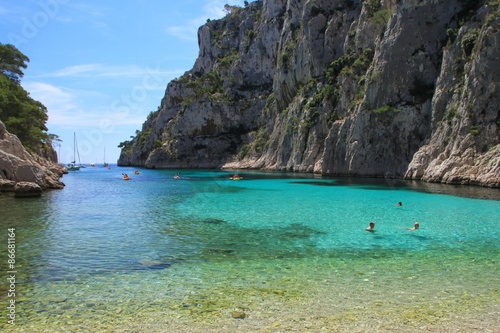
[396,88]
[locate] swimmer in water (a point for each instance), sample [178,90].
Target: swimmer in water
[399,204]
[415,227]
[371,227]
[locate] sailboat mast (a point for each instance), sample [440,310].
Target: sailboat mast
[74,148]
[105,164]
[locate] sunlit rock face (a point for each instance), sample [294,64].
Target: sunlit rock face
[18,165]
[405,89]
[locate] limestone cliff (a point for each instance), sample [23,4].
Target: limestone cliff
[392,88]
[18,166]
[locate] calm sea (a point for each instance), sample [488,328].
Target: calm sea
[159,254]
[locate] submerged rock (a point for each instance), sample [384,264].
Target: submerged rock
[239,315]
[213,221]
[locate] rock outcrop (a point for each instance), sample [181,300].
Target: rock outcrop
[27,189]
[405,89]
[24,173]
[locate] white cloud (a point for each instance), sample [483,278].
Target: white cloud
[63,104]
[49,94]
[188,31]
[100,70]
[75,70]
[215,9]
[69,107]
[212,10]
[98,100]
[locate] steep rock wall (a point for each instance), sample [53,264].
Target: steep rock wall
[371,88]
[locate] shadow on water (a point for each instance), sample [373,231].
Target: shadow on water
[467,191]
[419,237]
[378,184]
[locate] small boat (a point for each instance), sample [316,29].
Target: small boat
[72,167]
[137,172]
[126,178]
[92,165]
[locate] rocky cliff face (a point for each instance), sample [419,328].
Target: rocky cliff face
[18,167]
[393,88]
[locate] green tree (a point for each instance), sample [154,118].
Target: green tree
[12,61]
[21,114]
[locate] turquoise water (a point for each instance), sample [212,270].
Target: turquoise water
[154,252]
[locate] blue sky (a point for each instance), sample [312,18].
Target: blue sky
[100,67]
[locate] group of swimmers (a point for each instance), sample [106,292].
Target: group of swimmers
[415,226]
[372,226]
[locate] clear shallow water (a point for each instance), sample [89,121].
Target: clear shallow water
[105,251]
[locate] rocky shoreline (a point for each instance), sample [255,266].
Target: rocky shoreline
[24,173]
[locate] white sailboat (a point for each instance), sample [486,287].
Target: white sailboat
[72,166]
[105,164]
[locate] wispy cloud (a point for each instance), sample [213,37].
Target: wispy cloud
[68,107]
[189,31]
[63,104]
[60,99]
[76,70]
[101,70]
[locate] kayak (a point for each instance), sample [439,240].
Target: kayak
[126,178]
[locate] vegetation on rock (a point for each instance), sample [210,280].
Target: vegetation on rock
[21,114]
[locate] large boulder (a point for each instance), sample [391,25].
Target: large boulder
[7,185]
[18,165]
[27,189]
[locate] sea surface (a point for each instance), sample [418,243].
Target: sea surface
[270,252]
